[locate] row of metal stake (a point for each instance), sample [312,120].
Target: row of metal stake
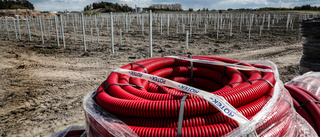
[217,20]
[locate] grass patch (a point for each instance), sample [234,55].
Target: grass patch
[33,49]
[197,37]
[48,51]
[221,39]
[54,46]
[68,47]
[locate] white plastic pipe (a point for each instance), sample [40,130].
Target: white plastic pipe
[84,34]
[187,39]
[205,28]
[261,28]
[112,39]
[57,32]
[41,30]
[150,33]
[7,27]
[142,25]
[98,35]
[120,37]
[28,26]
[190,25]
[218,26]
[15,28]
[62,31]
[231,21]
[44,27]
[0,29]
[91,35]
[49,27]
[183,28]
[168,26]
[74,29]
[161,25]
[19,27]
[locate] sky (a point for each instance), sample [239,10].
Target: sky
[78,5]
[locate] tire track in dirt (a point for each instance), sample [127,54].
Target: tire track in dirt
[266,53]
[286,57]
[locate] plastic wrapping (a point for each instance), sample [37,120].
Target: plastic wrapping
[309,81]
[72,131]
[102,123]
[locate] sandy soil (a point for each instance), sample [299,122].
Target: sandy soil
[42,85]
[10,13]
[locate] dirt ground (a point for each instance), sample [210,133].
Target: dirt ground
[42,85]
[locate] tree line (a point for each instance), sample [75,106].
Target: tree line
[164,7]
[303,7]
[16,4]
[111,7]
[108,7]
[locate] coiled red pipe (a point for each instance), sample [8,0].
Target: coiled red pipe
[310,111]
[153,110]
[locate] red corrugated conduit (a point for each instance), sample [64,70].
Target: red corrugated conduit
[307,105]
[153,110]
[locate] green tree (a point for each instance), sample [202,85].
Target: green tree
[108,7]
[16,4]
[305,7]
[17,7]
[2,6]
